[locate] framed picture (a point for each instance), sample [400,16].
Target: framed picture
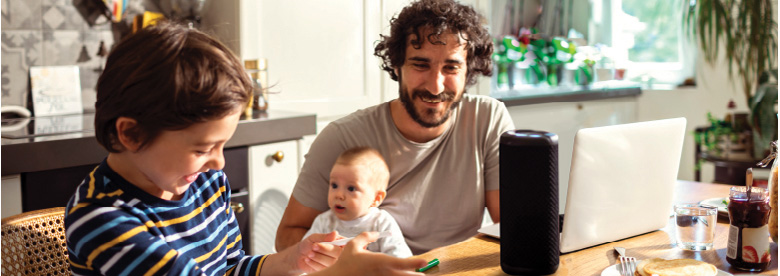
[55,90]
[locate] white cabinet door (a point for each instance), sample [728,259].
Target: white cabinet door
[320,53]
[270,184]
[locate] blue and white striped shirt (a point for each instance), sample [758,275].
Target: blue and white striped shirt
[115,228]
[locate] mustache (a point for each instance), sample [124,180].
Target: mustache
[445,96]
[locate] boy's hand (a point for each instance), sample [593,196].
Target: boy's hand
[315,255]
[355,260]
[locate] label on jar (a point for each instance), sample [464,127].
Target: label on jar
[755,245]
[731,247]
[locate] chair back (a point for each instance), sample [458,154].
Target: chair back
[33,243]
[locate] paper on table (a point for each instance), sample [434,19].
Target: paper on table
[344,241]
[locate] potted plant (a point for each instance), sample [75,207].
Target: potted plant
[748,31]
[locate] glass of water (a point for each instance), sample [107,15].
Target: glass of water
[695,226]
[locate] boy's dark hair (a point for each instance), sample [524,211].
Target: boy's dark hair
[439,16]
[167,77]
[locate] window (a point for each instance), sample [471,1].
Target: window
[646,38]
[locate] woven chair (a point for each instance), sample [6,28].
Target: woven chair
[33,243]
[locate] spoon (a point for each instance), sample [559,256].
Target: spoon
[749,180]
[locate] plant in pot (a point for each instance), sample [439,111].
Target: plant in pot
[748,31]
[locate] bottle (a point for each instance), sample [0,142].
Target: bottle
[258,71]
[772,188]
[748,244]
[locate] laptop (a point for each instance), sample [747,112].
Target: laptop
[621,182]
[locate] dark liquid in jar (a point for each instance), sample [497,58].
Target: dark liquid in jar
[749,214]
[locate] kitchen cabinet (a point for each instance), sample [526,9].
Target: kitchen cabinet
[274,170]
[320,53]
[320,57]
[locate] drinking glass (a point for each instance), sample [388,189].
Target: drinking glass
[695,226]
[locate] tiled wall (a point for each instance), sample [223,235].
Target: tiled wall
[48,32]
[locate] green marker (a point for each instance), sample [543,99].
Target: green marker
[431,264]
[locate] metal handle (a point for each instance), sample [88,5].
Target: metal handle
[237,207]
[278,156]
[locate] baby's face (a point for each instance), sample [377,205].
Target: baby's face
[351,193]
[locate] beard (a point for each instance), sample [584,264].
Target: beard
[427,117]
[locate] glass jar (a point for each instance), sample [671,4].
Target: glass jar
[772,187]
[748,245]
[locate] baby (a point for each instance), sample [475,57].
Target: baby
[358,181]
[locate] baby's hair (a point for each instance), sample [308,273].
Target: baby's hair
[167,77]
[372,159]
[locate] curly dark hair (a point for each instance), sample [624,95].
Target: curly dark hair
[167,77]
[438,16]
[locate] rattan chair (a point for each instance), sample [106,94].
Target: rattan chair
[33,243]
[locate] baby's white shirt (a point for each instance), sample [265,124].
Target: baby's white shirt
[376,219]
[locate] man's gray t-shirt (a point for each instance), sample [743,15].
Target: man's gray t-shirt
[437,189]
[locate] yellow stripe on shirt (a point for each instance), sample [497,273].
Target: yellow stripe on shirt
[77,265]
[161,263]
[260,266]
[91,183]
[207,255]
[78,206]
[238,238]
[161,224]
[111,194]
[121,238]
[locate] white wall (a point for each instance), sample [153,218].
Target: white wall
[714,88]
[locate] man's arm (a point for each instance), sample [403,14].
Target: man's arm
[492,203]
[297,219]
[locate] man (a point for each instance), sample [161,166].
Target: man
[441,145]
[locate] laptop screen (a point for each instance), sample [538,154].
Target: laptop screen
[621,182]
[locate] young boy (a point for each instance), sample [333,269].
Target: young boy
[169,99]
[358,181]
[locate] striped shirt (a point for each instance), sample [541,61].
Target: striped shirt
[115,228]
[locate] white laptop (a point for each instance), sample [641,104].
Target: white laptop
[621,182]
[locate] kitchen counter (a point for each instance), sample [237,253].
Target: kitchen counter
[47,143]
[597,91]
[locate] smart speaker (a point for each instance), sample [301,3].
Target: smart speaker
[529,202]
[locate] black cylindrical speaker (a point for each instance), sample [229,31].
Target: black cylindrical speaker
[529,202]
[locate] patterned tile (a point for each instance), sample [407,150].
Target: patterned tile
[20,50]
[61,47]
[20,14]
[92,42]
[61,15]
[90,71]
[89,77]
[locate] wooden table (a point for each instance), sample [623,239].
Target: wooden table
[480,255]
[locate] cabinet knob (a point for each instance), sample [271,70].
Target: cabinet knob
[278,156]
[237,207]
